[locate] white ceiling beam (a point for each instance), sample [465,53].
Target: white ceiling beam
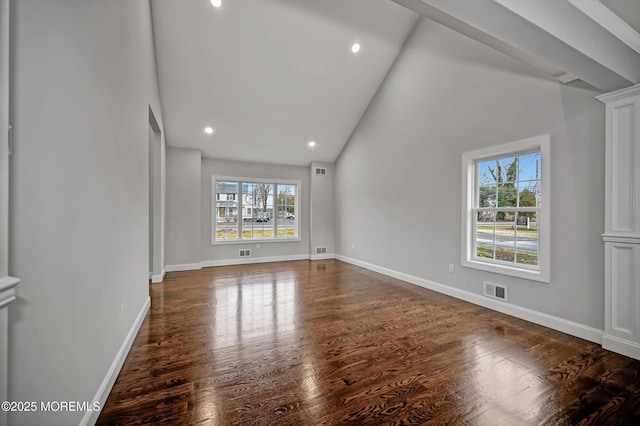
[491,23]
[606,18]
[569,25]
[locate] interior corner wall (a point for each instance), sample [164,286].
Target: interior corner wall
[398,180]
[83,79]
[322,208]
[163,201]
[157,197]
[183,207]
[218,254]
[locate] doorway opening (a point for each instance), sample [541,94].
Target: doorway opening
[155,200]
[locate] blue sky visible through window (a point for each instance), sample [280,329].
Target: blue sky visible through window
[529,168]
[494,174]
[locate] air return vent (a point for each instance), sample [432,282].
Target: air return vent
[495,291]
[320,171]
[245,253]
[321,250]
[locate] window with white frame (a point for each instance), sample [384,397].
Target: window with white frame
[254,209]
[506,209]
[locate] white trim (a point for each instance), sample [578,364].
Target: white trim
[257,240]
[566,78]
[227,262]
[618,94]
[610,21]
[322,256]
[569,327]
[7,295]
[184,267]
[621,237]
[253,180]
[90,417]
[621,346]
[543,273]
[8,290]
[268,259]
[158,278]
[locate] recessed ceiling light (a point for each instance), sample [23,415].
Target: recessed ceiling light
[312,144]
[208,130]
[355,48]
[216,3]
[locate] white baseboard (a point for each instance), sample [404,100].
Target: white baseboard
[159,278]
[569,327]
[184,267]
[248,260]
[322,256]
[91,417]
[621,346]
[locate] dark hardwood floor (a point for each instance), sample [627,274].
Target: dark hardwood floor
[325,342]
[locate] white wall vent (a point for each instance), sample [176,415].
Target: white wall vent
[321,250]
[494,290]
[245,253]
[321,171]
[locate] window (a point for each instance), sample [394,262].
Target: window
[254,209]
[506,209]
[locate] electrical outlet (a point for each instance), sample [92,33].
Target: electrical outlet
[122,311]
[353,246]
[451,267]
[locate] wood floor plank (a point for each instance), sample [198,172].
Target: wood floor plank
[327,343]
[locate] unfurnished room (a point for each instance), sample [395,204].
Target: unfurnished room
[319,212]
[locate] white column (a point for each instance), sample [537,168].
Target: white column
[622,222]
[7,284]
[7,295]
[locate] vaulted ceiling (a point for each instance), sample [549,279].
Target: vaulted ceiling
[269,76]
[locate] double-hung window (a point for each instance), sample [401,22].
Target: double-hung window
[254,209]
[506,209]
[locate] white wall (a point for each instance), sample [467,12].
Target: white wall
[398,181]
[83,80]
[322,208]
[183,206]
[229,252]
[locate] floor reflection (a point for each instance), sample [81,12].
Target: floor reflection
[246,309]
[506,389]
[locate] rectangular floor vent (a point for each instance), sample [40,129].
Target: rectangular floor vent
[321,250]
[494,290]
[245,253]
[321,171]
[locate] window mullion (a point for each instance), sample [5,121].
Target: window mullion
[275,209]
[515,237]
[495,218]
[240,214]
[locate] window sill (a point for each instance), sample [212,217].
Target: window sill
[528,274]
[256,240]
